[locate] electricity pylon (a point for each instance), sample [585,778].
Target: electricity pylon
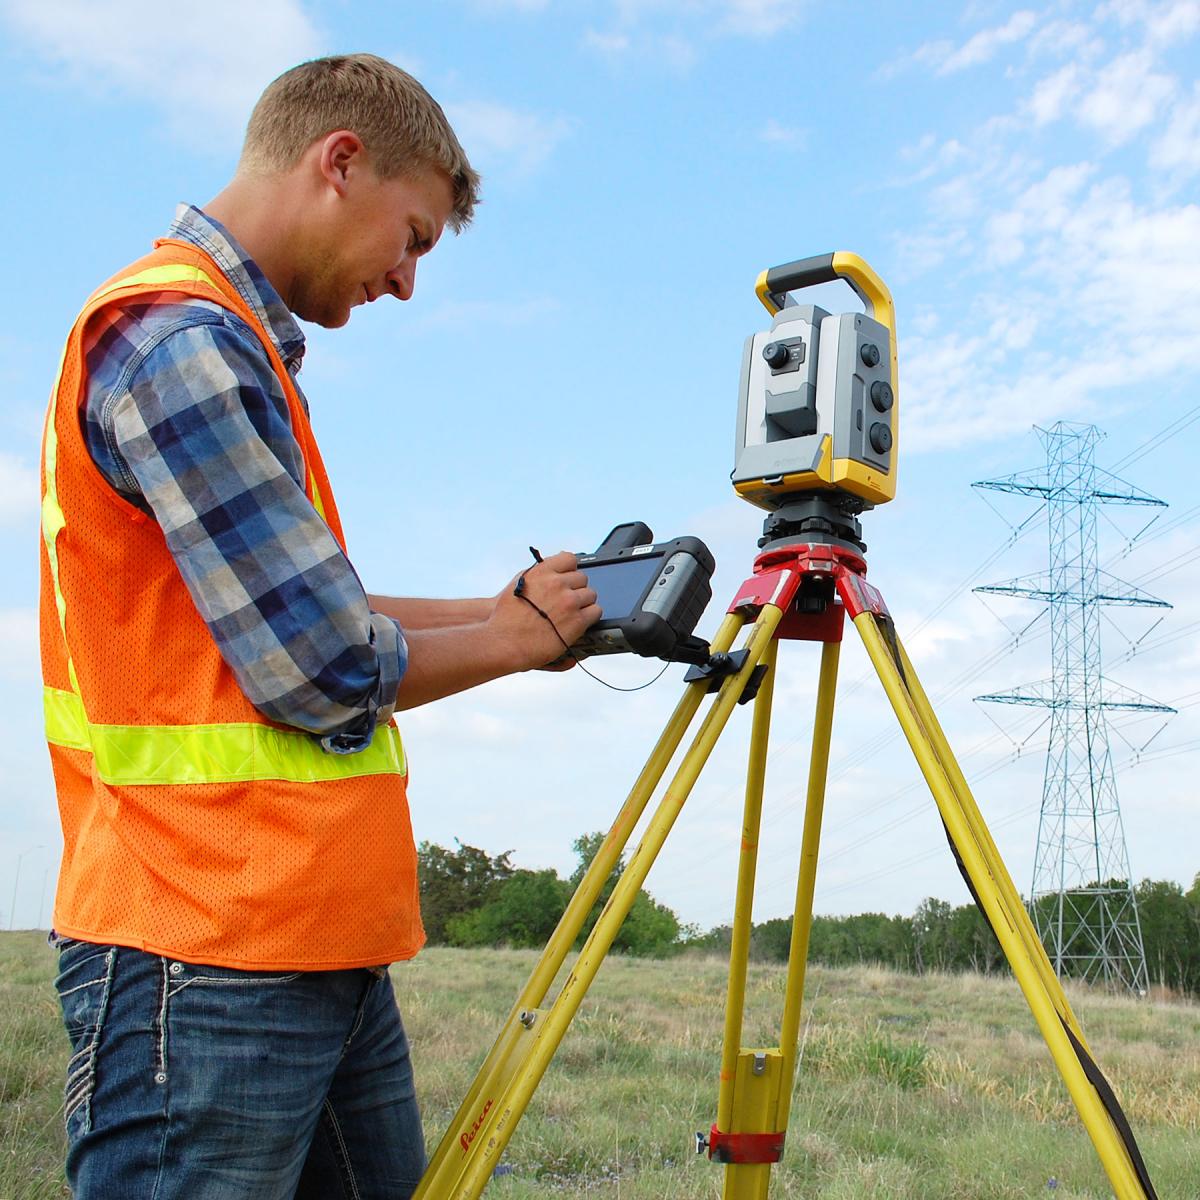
[1082,900]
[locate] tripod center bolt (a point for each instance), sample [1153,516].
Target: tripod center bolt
[881,438]
[776,354]
[869,353]
[881,395]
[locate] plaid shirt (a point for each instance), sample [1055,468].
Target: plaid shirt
[186,419]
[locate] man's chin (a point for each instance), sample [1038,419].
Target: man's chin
[326,318]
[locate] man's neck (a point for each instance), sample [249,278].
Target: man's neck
[259,216]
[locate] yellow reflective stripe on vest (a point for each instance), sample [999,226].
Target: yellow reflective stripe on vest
[128,755]
[66,723]
[53,521]
[167,273]
[318,503]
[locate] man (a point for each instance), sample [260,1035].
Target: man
[239,867]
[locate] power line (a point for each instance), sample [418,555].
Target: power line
[1161,531]
[1170,565]
[1164,435]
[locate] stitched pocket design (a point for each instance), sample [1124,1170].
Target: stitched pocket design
[84,984]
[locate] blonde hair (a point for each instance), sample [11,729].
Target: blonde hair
[401,125]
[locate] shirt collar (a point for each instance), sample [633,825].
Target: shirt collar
[192,225]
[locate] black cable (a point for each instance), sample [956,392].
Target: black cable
[519,592]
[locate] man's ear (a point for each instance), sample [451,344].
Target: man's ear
[342,152]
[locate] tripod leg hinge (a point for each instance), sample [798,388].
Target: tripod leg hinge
[859,596]
[742,1147]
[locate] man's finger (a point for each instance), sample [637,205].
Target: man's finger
[562,562]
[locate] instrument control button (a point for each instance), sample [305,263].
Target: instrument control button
[881,395]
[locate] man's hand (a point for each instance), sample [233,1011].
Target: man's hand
[560,590]
[460,644]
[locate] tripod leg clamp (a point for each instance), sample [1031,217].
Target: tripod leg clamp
[719,666]
[741,1147]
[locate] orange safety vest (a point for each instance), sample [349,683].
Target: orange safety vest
[193,826]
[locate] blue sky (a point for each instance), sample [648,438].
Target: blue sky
[1025,179]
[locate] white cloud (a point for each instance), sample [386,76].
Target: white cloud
[760,18]
[663,50]
[1124,97]
[1170,23]
[918,253]
[985,44]
[946,58]
[1065,38]
[783,135]
[504,138]
[1177,150]
[930,156]
[1043,205]
[1116,99]
[607,43]
[169,56]
[1053,95]
[1072,255]
[20,487]
[1051,250]
[1163,23]
[670,31]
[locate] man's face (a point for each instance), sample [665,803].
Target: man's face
[371,243]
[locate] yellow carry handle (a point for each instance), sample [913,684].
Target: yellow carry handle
[775,283]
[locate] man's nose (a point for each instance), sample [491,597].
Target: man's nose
[402,279]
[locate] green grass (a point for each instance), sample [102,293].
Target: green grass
[911,1088]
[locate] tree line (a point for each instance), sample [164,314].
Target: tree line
[471,898]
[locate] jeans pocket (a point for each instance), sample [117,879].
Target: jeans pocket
[84,984]
[181,975]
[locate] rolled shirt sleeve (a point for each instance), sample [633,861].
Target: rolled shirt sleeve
[200,427]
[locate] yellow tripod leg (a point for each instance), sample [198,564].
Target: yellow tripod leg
[995,891]
[522,1058]
[735,1113]
[756,1084]
[743,905]
[806,882]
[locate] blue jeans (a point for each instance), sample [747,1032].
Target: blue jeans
[215,1084]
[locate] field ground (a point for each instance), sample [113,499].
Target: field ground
[910,1088]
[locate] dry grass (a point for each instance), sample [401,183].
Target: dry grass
[937,1086]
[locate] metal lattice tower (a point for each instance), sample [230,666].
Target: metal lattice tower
[1082,900]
